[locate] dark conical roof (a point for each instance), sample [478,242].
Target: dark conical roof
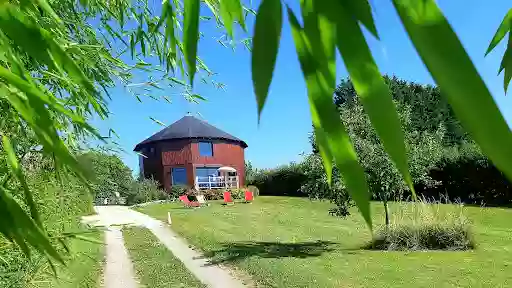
[189,127]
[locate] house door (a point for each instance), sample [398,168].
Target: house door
[179,176]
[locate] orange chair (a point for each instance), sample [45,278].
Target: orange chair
[227,198]
[188,203]
[248,196]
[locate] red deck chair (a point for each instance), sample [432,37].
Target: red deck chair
[248,196]
[227,198]
[188,203]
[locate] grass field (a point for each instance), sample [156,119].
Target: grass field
[293,242]
[155,266]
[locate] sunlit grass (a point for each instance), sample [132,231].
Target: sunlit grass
[155,265]
[293,242]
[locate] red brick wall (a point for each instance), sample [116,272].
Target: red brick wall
[175,153]
[185,153]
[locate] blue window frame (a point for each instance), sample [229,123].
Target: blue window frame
[206,149]
[179,176]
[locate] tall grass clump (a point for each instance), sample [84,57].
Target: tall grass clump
[425,225]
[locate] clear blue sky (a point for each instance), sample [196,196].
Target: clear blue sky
[282,133]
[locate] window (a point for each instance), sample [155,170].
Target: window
[207,171]
[204,178]
[179,176]
[206,149]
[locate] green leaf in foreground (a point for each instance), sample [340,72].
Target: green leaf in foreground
[197,96]
[458,79]
[48,9]
[166,5]
[503,29]
[267,33]
[18,174]
[323,109]
[33,106]
[323,148]
[371,89]
[506,63]
[359,10]
[22,229]
[157,121]
[170,36]
[227,18]
[191,36]
[231,10]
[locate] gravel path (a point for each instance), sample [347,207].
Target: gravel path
[211,275]
[119,268]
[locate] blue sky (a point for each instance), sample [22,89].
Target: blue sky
[281,136]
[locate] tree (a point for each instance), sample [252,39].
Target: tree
[250,172]
[111,178]
[316,185]
[429,126]
[428,108]
[424,151]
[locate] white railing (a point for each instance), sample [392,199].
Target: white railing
[217,182]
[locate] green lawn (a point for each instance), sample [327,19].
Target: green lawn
[154,264]
[293,242]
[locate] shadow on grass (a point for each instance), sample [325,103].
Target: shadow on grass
[237,251]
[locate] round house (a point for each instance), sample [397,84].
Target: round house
[194,153]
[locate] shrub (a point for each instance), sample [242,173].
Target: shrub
[255,191]
[425,225]
[424,237]
[111,177]
[176,191]
[250,172]
[283,180]
[237,193]
[145,190]
[464,174]
[317,187]
[213,194]
[218,194]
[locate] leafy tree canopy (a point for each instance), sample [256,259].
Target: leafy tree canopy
[431,133]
